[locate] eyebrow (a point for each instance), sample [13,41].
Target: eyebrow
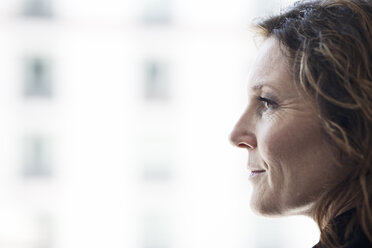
[258,86]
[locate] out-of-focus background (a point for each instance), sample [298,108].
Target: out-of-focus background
[115,117]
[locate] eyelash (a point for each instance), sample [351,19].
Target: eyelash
[268,104]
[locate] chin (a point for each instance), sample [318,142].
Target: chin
[263,208]
[272,208]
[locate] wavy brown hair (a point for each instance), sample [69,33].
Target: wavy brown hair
[329,45]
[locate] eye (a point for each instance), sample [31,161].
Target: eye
[267,103]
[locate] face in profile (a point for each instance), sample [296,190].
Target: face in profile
[289,159]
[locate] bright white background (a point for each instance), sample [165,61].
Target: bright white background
[129,170]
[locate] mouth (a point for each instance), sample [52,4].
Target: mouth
[255,173]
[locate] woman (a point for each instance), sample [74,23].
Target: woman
[308,123]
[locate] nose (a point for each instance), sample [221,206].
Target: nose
[243,135]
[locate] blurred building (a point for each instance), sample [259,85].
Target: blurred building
[115,116]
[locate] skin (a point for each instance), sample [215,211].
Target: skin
[284,139]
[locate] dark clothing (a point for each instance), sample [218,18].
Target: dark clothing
[356,240]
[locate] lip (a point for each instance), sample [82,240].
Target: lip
[255,173]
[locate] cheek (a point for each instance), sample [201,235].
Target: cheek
[291,152]
[285,141]
[276,142]
[297,156]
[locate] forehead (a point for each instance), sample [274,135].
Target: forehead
[271,67]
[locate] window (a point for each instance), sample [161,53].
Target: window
[44,225]
[37,8]
[156,159]
[269,7]
[37,156]
[156,231]
[156,80]
[156,170]
[37,77]
[157,12]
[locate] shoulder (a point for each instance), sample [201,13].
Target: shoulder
[357,239]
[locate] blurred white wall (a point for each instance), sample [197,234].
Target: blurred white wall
[115,118]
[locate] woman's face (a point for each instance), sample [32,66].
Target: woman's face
[289,160]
